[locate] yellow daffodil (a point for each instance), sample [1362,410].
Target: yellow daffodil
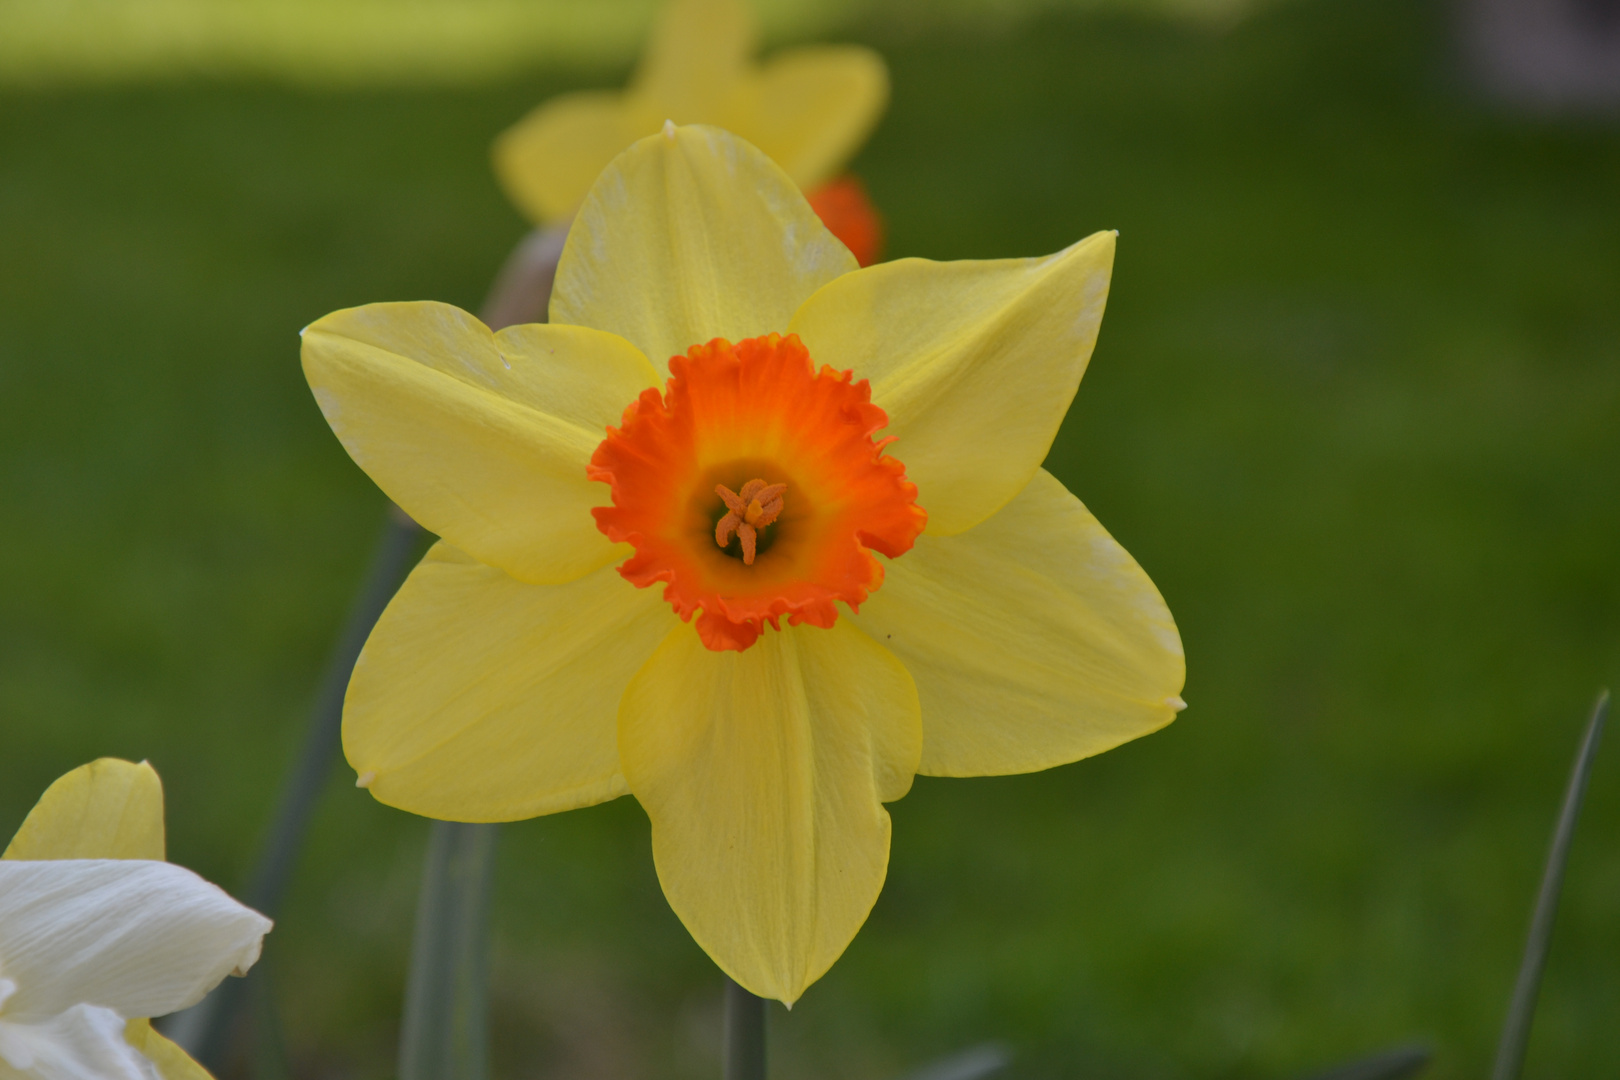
[785,681]
[98,933]
[809,108]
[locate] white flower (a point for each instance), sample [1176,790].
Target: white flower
[97,934]
[87,944]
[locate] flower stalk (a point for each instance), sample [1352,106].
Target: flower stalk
[523,286]
[743,1057]
[446,1030]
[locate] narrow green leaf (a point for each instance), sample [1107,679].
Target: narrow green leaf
[1521,1010]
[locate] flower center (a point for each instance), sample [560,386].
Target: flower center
[731,416]
[747,511]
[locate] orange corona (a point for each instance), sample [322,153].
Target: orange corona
[754,489]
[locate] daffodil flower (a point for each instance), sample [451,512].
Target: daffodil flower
[98,933]
[809,108]
[761,711]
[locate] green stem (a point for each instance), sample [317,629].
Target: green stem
[1516,1029]
[446,1029]
[744,1057]
[1395,1064]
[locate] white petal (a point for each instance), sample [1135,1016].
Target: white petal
[84,1043]
[141,938]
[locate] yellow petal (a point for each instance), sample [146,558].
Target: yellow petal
[690,73]
[108,809]
[172,1062]
[975,363]
[547,161]
[691,235]
[1035,639]
[763,773]
[481,698]
[483,438]
[695,57]
[810,109]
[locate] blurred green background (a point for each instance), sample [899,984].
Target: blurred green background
[356,42]
[1354,408]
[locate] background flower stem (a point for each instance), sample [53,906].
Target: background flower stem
[521,292]
[744,1034]
[1397,1064]
[1522,1008]
[445,1035]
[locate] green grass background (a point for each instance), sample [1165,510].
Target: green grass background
[1354,408]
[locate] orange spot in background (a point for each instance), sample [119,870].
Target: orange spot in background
[729,415]
[847,211]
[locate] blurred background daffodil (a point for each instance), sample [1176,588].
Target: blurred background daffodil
[809,108]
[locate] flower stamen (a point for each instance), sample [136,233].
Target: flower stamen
[756,409]
[748,510]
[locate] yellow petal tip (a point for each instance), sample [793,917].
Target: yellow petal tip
[365,779]
[669,130]
[1175,702]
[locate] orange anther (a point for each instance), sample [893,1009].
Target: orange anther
[747,511]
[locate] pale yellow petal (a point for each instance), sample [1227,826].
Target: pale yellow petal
[481,698]
[690,235]
[548,160]
[810,109]
[172,1062]
[975,363]
[1035,639]
[697,53]
[108,809]
[763,773]
[690,73]
[483,438]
